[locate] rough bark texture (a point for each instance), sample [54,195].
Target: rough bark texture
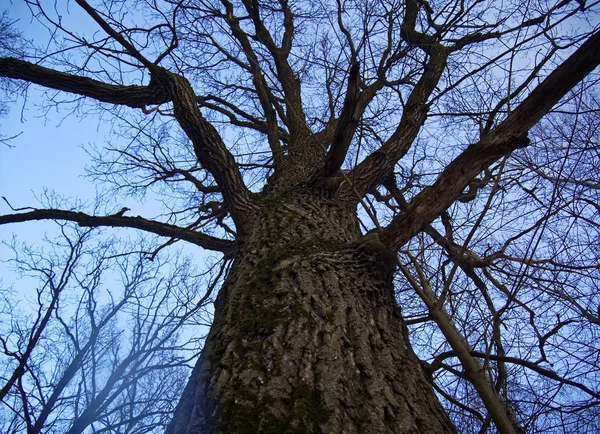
[307,336]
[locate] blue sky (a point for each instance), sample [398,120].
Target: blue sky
[47,153]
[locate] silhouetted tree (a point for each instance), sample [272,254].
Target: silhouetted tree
[353,159]
[104,326]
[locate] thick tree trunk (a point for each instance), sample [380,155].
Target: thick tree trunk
[307,336]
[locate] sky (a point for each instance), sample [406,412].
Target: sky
[47,154]
[48,150]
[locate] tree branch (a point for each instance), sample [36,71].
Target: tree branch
[508,136]
[131,96]
[380,164]
[120,221]
[263,91]
[285,73]
[165,86]
[208,146]
[115,35]
[345,126]
[473,370]
[517,361]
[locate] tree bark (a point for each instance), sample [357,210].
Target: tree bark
[307,335]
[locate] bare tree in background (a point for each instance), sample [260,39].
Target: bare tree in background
[105,327]
[387,177]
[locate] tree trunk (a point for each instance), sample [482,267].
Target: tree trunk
[307,336]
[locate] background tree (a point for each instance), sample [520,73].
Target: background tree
[106,323]
[352,159]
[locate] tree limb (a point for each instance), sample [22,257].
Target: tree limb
[346,125]
[165,86]
[504,139]
[285,74]
[208,146]
[380,164]
[263,91]
[472,368]
[116,220]
[130,96]
[517,361]
[115,35]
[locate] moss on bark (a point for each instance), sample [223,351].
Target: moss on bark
[307,337]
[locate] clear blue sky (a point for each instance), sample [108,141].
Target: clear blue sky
[46,154]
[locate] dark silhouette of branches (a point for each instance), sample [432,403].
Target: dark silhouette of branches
[456,141]
[107,326]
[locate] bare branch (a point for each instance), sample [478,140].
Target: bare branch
[380,164]
[285,73]
[346,125]
[115,35]
[120,221]
[208,146]
[508,136]
[518,361]
[131,96]
[265,95]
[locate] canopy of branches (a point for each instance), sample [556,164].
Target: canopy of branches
[466,132]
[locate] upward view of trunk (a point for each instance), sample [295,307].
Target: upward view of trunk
[265,132]
[307,336]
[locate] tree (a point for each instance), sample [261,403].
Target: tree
[352,159]
[106,325]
